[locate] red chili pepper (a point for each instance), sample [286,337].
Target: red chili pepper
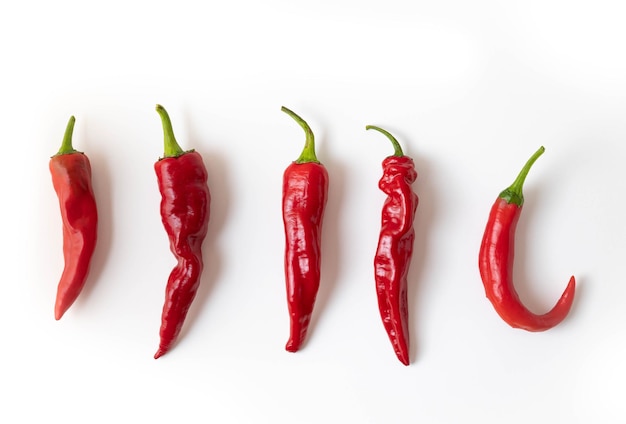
[496,262]
[71,178]
[305,191]
[395,246]
[185,202]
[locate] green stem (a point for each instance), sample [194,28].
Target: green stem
[171,149]
[308,152]
[397,149]
[513,194]
[66,145]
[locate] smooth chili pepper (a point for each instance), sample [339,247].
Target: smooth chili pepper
[71,178]
[185,203]
[496,262]
[395,246]
[305,191]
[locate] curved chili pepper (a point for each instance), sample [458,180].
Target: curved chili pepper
[71,178]
[305,191]
[395,246]
[185,203]
[496,262]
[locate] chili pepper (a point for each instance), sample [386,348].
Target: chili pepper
[305,191]
[71,178]
[395,245]
[496,262]
[185,204]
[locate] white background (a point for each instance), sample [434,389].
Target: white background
[470,89]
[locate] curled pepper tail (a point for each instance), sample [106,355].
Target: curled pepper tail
[553,317]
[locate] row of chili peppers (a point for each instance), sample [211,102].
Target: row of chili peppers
[185,210]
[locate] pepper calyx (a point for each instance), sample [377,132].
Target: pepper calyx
[513,193]
[171,148]
[397,149]
[66,145]
[308,152]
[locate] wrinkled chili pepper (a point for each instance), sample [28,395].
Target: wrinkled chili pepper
[185,203]
[496,262]
[395,246]
[305,191]
[71,178]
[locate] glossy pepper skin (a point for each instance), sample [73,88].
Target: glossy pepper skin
[305,192]
[395,246]
[496,262]
[185,205]
[71,178]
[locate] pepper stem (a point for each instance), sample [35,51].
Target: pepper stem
[66,145]
[171,149]
[513,193]
[397,149]
[308,152]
